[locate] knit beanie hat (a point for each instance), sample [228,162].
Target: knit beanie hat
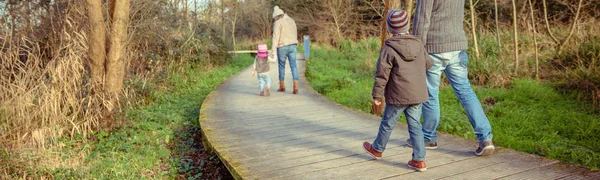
[397,21]
[262,51]
[277,11]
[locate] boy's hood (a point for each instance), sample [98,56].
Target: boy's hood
[407,46]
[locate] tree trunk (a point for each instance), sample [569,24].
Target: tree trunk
[111,11]
[473,29]
[223,18]
[515,34]
[331,5]
[395,4]
[548,23]
[498,31]
[572,27]
[115,70]
[185,13]
[383,28]
[235,14]
[537,69]
[408,6]
[96,43]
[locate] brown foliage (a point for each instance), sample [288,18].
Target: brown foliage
[43,79]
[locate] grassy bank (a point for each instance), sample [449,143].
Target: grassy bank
[160,139]
[526,115]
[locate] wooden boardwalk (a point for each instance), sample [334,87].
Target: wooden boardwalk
[306,136]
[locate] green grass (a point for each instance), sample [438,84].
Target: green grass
[161,139]
[527,116]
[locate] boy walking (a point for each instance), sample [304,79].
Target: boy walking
[262,67]
[400,76]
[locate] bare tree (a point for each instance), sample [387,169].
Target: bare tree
[222,5]
[548,23]
[573,26]
[233,23]
[498,30]
[372,6]
[383,31]
[97,40]
[473,28]
[340,11]
[515,35]
[408,6]
[115,65]
[537,68]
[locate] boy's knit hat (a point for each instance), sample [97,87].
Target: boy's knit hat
[277,11]
[263,51]
[397,21]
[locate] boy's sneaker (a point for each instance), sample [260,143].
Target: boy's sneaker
[428,145]
[417,165]
[485,148]
[262,93]
[369,149]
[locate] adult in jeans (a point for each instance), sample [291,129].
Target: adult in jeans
[439,25]
[284,46]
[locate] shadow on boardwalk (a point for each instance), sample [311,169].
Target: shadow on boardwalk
[306,136]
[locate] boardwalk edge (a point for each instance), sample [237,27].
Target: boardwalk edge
[207,143]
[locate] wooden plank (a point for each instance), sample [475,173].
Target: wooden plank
[554,171]
[286,137]
[290,130]
[376,169]
[398,165]
[395,149]
[257,120]
[320,142]
[585,174]
[521,162]
[457,167]
[245,128]
[293,155]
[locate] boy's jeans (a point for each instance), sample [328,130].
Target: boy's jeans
[389,120]
[264,79]
[454,64]
[288,52]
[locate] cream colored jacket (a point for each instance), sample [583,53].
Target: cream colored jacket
[284,33]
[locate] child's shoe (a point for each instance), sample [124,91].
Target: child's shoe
[268,91]
[369,149]
[417,165]
[262,93]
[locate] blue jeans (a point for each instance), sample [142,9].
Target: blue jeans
[388,121]
[454,64]
[264,80]
[288,52]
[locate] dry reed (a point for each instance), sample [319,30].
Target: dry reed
[43,86]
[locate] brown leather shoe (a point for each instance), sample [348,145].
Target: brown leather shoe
[268,91]
[369,149]
[417,165]
[295,87]
[281,87]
